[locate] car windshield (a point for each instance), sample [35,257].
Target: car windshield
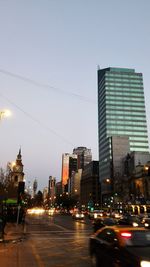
[132,219]
[138,238]
[109,221]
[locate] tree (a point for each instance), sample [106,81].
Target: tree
[38,199]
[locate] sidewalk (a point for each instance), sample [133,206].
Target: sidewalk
[14,232]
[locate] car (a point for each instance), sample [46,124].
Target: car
[131,220]
[116,215]
[96,214]
[78,215]
[146,222]
[99,223]
[120,246]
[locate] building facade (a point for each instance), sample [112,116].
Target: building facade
[121,113]
[75,184]
[52,190]
[84,156]
[90,187]
[17,174]
[69,164]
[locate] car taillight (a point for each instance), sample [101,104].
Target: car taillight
[126,234]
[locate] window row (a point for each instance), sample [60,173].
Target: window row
[112,113]
[139,149]
[124,127]
[126,93]
[124,102]
[137,143]
[126,122]
[124,80]
[125,98]
[123,84]
[123,75]
[130,133]
[138,138]
[124,88]
[123,108]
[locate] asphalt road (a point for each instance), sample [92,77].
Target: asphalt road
[51,241]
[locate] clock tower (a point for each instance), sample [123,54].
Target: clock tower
[17,174]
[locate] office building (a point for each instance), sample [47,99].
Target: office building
[69,164]
[84,156]
[90,187]
[121,112]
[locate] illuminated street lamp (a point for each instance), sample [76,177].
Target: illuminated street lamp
[108,181]
[5,113]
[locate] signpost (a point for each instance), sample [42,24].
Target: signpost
[18,213]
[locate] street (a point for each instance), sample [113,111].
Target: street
[54,241]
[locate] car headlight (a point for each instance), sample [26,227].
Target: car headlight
[82,215]
[77,215]
[145,264]
[146,224]
[135,224]
[95,215]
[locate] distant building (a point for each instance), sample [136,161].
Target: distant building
[75,181]
[84,156]
[45,194]
[58,189]
[52,190]
[134,159]
[90,186]
[35,185]
[69,164]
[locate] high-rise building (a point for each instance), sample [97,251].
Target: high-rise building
[52,190]
[90,188]
[121,112]
[69,164]
[84,156]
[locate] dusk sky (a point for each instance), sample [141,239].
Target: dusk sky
[49,53]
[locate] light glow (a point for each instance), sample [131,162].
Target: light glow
[5,113]
[145,263]
[135,224]
[126,234]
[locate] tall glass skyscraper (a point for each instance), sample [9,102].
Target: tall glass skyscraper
[121,112]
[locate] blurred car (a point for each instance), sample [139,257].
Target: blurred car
[51,211]
[146,222]
[120,246]
[96,214]
[99,223]
[116,215]
[78,215]
[36,211]
[131,220]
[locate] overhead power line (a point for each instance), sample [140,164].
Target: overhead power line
[46,86]
[36,120]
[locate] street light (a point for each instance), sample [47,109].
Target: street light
[5,113]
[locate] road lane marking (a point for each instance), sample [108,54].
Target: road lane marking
[38,259]
[59,233]
[61,237]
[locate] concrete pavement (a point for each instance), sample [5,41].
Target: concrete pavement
[14,232]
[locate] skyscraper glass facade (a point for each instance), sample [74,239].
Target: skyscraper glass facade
[121,112]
